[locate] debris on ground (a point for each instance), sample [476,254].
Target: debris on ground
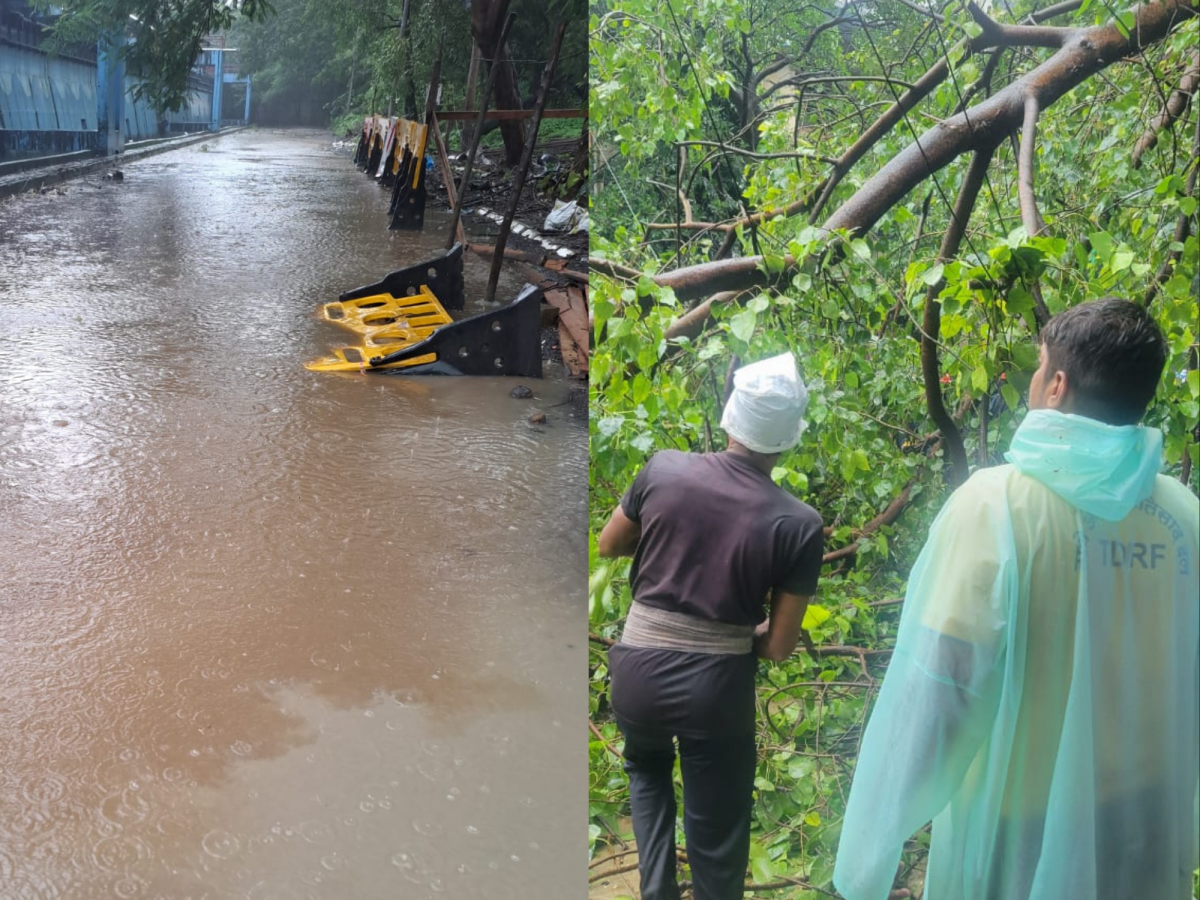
[553,257]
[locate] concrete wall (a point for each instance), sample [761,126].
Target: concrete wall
[48,105]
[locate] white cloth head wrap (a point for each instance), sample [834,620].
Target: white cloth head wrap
[765,413]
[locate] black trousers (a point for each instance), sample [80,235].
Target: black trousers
[704,703]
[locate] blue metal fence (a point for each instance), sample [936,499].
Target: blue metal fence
[49,105]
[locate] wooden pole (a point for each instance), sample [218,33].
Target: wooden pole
[456,229]
[472,78]
[435,82]
[526,159]
[476,135]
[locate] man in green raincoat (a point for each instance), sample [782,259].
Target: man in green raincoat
[1042,706]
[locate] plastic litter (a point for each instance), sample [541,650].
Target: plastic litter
[564,217]
[765,413]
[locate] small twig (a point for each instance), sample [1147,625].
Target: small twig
[600,737]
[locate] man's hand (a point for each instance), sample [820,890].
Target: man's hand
[620,536]
[776,638]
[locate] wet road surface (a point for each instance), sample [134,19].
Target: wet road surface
[265,632]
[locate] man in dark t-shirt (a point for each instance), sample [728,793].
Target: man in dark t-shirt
[713,540]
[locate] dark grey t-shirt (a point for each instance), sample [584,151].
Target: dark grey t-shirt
[717,536]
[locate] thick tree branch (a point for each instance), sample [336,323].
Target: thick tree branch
[983,126]
[888,517]
[743,273]
[1088,51]
[1030,217]
[614,270]
[691,323]
[888,120]
[1175,107]
[998,35]
[956,453]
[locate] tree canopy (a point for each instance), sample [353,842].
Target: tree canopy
[159,41]
[378,55]
[901,193]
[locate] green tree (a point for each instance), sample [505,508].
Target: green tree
[164,38]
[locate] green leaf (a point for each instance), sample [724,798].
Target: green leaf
[742,325]
[1025,356]
[643,442]
[1011,398]
[759,304]
[641,388]
[814,616]
[813,819]
[1019,301]
[1121,259]
[933,275]
[1102,245]
[979,379]
[860,249]
[610,425]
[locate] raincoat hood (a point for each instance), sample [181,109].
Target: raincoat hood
[1104,470]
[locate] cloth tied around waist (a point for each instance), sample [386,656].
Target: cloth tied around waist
[648,628]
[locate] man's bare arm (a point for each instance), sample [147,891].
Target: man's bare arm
[620,536]
[776,638]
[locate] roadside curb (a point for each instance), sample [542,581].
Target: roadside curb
[36,179]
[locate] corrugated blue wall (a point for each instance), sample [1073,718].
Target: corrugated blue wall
[35,98]
[48,105]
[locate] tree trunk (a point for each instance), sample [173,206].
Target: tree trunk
[410,90]
[487,18]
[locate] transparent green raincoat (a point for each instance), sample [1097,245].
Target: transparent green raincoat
[1041,706]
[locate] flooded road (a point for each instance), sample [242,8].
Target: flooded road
[265,632]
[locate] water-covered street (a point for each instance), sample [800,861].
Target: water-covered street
[266,632]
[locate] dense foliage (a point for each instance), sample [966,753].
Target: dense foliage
[159,41]
[707,113]
[378,55]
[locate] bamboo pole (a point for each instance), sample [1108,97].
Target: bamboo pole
[476,135]
[526,159]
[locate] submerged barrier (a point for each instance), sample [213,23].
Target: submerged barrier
[391,150]
[405,329]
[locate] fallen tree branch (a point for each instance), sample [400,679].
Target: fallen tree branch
[889,515]
[888,120]
[1030,217]
[1083,53]
[691,323]
[1175,107]
[931,324]
[614,270]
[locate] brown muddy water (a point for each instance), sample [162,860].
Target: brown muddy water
[266,633]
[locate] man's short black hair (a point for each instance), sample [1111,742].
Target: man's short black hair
[1113,353]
